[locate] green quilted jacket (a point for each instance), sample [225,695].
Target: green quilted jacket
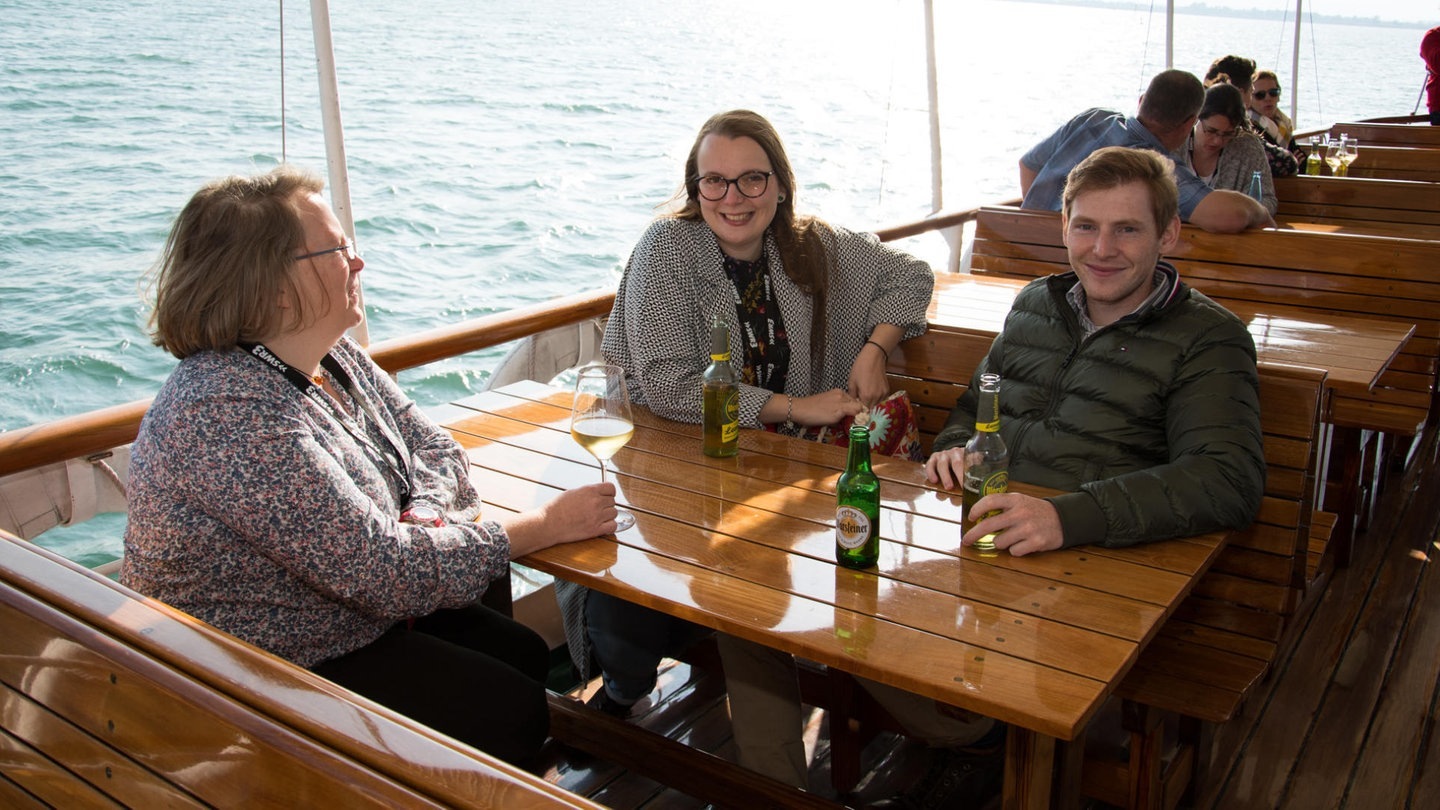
[1151,425]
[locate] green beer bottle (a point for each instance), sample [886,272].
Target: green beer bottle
[720,403]
[857,506]
[987,460]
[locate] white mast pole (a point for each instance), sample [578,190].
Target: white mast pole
[932,85]
[335,164]
[1295,64]
[1169,34]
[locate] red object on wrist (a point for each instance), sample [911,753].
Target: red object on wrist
[423,516]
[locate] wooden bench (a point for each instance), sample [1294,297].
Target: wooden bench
[1389,134]
[109,698]
[1404,209]
[1223,638]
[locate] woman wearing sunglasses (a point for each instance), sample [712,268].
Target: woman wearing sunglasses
[1265,113]
[1240,71]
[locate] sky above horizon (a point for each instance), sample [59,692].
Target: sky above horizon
[1425,11]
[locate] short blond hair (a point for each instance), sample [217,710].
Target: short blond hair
[228,257]
[1115,166]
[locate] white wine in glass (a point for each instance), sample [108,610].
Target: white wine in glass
[1333,151]
[1348,153]
[600,421]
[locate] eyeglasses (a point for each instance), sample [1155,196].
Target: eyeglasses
[348,249]
[1273,92]
[1226,134]
[713,187]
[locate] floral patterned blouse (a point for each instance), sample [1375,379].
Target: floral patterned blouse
[252,508]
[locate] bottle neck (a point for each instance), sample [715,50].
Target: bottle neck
[859,457]
[987,415]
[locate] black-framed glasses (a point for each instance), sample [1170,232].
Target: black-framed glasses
[1225,134]
[345,248]
[713,187]
[1273,92]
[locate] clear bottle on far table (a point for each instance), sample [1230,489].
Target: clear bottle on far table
[1257,188]
[857,506]
[1313,161]
[987,459]
[720,397]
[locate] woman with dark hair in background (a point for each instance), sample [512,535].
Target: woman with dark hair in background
[1221,151]
[1240,72]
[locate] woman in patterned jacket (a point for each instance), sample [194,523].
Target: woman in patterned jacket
[814,312]
[283,489]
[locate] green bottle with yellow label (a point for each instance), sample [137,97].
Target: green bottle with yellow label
[720,397]
[987,460]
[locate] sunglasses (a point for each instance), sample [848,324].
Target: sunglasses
[1273,92]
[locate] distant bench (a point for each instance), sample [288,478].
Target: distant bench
[1399,208]
[112,697]
[1225,635]
[1420,135]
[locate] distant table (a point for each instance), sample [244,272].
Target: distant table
[746,546]
[1356,351]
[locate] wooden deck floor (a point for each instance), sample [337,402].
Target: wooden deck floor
[1346,719]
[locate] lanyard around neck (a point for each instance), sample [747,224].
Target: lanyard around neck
[389,458]
[754,344]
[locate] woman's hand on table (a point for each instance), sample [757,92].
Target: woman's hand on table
[824,408]
[1021,523]
[575,514]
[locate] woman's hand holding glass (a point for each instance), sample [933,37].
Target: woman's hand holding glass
[600,420]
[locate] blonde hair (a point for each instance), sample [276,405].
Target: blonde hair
[226,261]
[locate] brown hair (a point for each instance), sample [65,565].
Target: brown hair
[1115,166]
[228,256]
[1240,69]
[799,238]
[1171,100]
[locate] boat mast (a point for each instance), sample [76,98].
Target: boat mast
[932,86]
[1295,62]
[335,165]
[1169,34]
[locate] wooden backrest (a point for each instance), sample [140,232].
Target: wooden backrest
[935,368]
[1369,276]
[1259,579]
[1389,134]
[1396,162]
[1397,202]
[110,696]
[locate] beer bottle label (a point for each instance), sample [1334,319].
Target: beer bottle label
[988,427]
[730,428]
[852,527]
[996,483]
[721,358]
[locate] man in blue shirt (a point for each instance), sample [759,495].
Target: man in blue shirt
[1168,110]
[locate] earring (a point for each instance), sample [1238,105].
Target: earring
[780,198]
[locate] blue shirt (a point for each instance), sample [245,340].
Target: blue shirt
[1053,158]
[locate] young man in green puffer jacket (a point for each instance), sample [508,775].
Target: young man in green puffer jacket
[1123,386]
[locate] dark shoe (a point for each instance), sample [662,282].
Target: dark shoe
[602,702]
[955,779]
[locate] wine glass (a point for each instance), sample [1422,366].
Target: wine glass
[1333,151]
[600,421]
[1348,153]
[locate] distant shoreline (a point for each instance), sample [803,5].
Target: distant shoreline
[1204,10]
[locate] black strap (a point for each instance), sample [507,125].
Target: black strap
[390,459]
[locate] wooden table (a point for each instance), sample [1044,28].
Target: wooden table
[1356,351]
[746,546]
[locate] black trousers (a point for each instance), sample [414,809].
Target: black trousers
[471,673]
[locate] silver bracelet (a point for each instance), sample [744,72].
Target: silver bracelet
[789,411]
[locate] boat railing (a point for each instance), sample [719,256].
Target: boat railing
[97,431]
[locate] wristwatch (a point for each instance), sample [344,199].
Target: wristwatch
[422,515]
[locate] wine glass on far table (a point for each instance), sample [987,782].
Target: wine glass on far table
[1333,151]
[600,421]
[1348,153]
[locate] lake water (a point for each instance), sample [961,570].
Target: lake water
[506,152]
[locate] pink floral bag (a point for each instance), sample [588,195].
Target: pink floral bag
[894,430]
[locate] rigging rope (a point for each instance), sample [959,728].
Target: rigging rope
[284,152]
